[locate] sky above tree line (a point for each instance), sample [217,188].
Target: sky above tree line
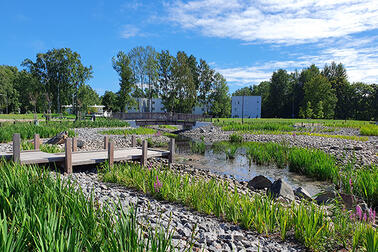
[243,40]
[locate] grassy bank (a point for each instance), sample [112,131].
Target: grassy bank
[25,145]
[134,131]
[271,126]
[307,222]
[38,213]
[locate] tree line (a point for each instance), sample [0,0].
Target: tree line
[181,81]
[315,93]
[58,77]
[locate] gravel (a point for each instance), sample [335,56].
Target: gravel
[209,233]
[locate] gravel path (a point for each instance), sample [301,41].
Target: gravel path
[210,234]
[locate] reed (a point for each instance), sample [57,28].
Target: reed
[39,213]
[308,222]
[134,131]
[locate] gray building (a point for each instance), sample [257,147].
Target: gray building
[246,107]
[143,105]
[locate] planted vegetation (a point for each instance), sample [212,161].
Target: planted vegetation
[25,145]
[307,222]
[27,131]
[310,162]
[285,126]
[39,213]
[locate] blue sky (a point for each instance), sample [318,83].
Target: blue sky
[244,40]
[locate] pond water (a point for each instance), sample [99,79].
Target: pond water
[241,169]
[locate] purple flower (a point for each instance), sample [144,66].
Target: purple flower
[157,184]
[365,217]
[359,212]
[294,134]
[149,166]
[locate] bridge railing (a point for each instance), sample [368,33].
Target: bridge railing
[169,116]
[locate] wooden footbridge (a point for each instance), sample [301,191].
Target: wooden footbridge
[71,157]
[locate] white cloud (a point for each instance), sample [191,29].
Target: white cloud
[129,31]
[277,21]
[360,58]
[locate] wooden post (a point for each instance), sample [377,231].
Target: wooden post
[133,141]
[106,142]
[144,153]
[74,144]
[111,154]
[171,150]
[16,147]
[36,142]
[68,156]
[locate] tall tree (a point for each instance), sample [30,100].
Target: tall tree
[121,64]
[110,101]
[245,91]
[206,79]
[61,73]
[219,98]
[279,94]
[9,96]
[319,89]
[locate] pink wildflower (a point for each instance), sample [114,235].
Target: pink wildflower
[365,217]
[157,184]
[351,185]
[359,212]
[372,215]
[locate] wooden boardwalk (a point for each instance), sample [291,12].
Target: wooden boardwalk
[84,158]
[72,158]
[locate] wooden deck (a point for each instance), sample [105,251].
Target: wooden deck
[71,157]
[84,158]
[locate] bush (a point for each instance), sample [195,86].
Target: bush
[234,138]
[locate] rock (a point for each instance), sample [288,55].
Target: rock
[325,197]
[80,143]
[348,200]
[259,182]
[281,188]
[357,147]
[302,193]
[59,138]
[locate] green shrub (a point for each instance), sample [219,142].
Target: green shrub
[235,138]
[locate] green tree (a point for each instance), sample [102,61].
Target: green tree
[121,64]
[318,112]
[245,91]
[183,84]
[167,90]
[219,98]
[319,89]
[110,101]
[87,97]
[279,96]
[263,90]
[206,79]
[9,96]
[61,73]
[309,112]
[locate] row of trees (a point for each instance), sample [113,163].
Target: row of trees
[56,77]
[315,93]
[181,82]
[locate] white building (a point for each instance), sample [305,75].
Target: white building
[246,107]
[143,105]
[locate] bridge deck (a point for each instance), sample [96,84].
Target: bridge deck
[84,158]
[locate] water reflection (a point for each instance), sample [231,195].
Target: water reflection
[241,168]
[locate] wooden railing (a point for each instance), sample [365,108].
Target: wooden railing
[160,116]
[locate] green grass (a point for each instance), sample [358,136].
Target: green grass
[307,222]
[197,147]
[134,131]
[25,145]
[20,116]
[39,213]
[171,127]
[369,130]
[27,131]
[287,125]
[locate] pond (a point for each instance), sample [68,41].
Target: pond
[241,169]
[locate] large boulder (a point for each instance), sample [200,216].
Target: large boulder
[259,182]
[59,138]
[302,193]
[281,188]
